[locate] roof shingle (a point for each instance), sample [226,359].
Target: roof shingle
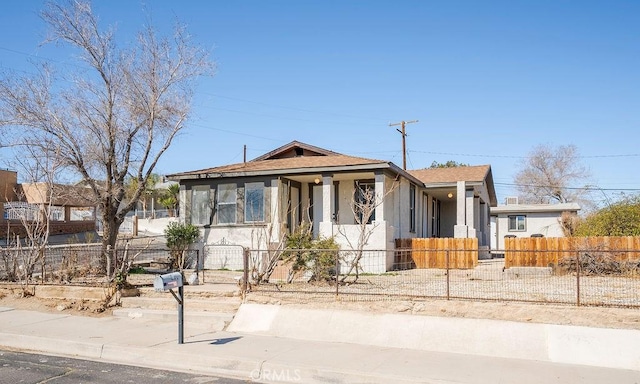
[453,174]
[286,163]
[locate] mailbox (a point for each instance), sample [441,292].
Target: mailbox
[167,281]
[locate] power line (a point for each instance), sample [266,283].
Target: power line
[404,135]
[370,118]
[293,108]
[235,132]
[525,157]
[585,188]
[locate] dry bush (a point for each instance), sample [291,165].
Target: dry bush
[598,263]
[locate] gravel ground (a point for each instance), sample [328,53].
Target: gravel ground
[488,281]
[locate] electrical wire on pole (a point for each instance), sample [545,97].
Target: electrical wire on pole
[404,135]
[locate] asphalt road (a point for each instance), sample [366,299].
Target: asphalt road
[26,368]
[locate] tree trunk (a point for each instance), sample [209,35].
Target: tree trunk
[110,228]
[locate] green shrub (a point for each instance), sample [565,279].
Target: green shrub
[179,237]
[304,253]
[618,219]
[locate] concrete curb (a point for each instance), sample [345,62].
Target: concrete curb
[49,345]
[177,361]
[130,355]
[600,347]
[161,357]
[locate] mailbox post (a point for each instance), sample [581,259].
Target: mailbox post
[168,282]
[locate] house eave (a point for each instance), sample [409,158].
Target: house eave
[530,208]
[280,172]
[389,167]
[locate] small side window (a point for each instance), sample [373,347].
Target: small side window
[517,223]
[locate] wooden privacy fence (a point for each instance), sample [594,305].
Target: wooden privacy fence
[545,251]
[436,252]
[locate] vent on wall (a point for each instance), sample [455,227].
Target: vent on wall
[511,201]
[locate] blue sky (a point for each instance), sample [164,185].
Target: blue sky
[487,80]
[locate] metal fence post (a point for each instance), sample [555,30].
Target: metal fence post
[578,267]
[446,258]
[245,277]
[337,273]
[198,265]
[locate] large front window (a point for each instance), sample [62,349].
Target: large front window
[200,208]
[365,201]
[254,202]
[227,201]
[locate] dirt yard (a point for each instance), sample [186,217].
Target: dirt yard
[13,299]
[513,311]
[603,317]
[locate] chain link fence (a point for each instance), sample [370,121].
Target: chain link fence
[587,277]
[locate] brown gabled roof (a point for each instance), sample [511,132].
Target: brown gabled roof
[453,174]
[289,150]
[57,194]
[290,163]
[469,174]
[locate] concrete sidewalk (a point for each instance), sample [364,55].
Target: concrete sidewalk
[272,359]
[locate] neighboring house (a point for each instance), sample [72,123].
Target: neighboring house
[256,203]
[150,206]
[527,220]
[70,211]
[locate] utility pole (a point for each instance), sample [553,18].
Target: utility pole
[404,135]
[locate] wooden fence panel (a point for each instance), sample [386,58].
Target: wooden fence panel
[545,251]
[432,252]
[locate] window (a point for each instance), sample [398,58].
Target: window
[57,214]
[254,202]
[82,213]
[412,208]
[365,201]
[200,210]
[227,202]
[517,223]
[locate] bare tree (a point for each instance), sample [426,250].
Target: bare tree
[27,247]
[364,202]
[552,175]
[263,262]
[115,115]
[568,223]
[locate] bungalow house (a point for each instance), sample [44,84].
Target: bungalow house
[527,220]
[256,203]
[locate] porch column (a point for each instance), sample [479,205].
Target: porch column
[379,192]
[275,209]
[472,213]
[327,198]
[460,204]
[461,229]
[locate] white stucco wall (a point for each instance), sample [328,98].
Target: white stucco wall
[375,260]
[545,223]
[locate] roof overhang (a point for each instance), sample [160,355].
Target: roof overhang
[384,166]
[535,208]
